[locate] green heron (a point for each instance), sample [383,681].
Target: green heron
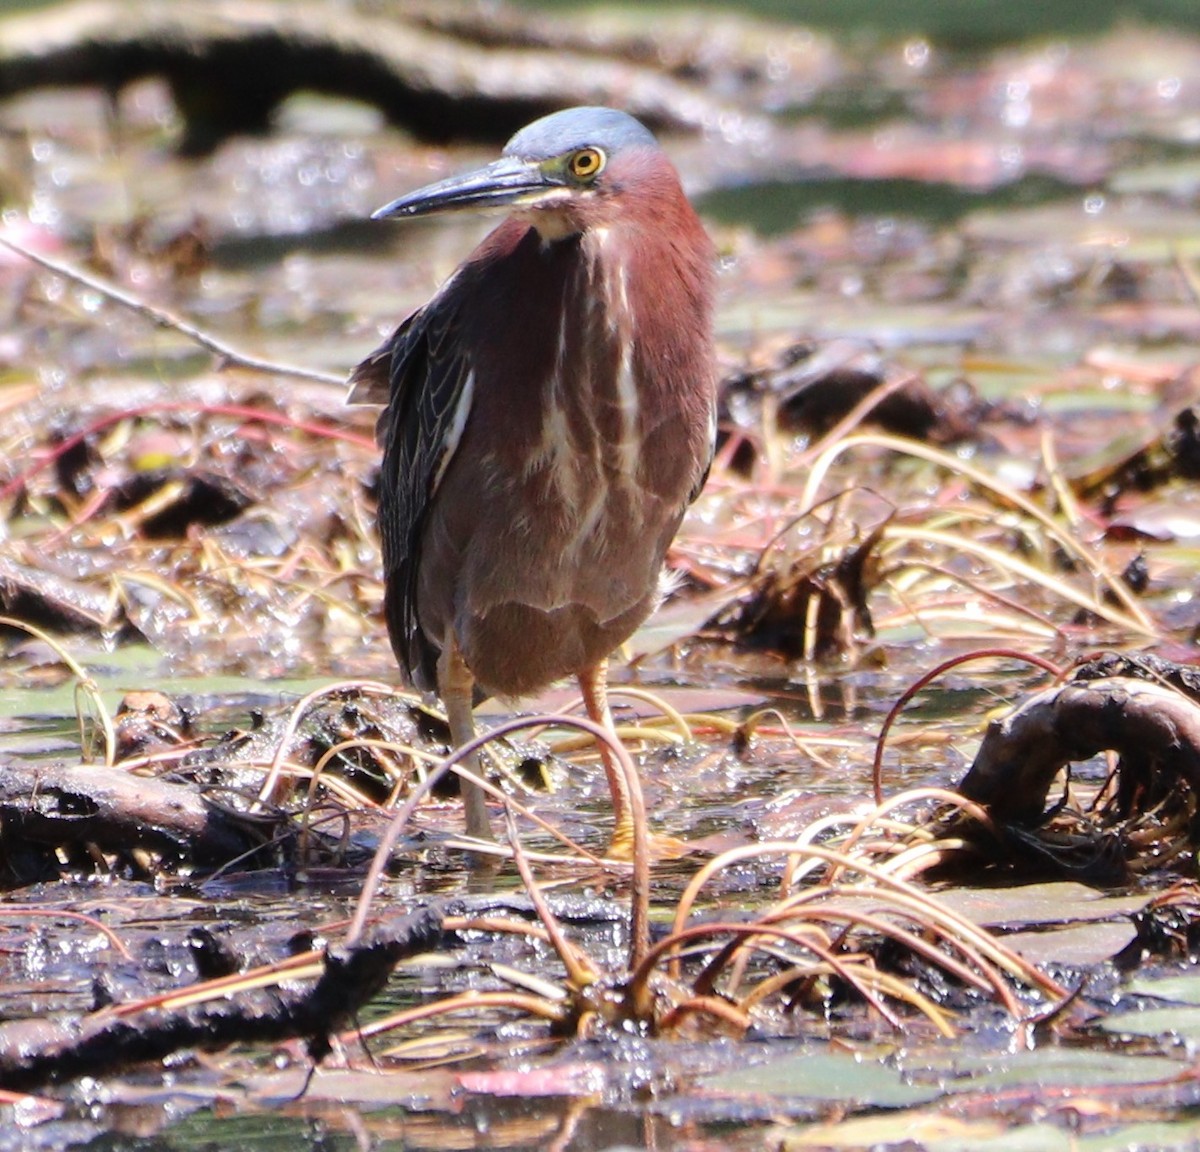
[549,416]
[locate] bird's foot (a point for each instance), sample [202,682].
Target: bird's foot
[659,844]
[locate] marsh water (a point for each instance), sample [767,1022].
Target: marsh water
[1008,208]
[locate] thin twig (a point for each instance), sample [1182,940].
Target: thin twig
[161,318]
[84,686]
[897,708]
[1134,617]
[580,970]
[640,880]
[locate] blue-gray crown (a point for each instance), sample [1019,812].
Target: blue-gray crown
[573,128]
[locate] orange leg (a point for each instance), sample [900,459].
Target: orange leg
[456,686]
[594,684]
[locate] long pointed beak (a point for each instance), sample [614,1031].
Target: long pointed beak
[504,183]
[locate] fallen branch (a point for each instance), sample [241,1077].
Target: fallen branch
[116,811]
[230,64]
[1154,728]
[216,1014]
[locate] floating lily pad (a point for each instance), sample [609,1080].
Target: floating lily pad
[1184,989]
[1176,1023]
[824,1074]
[936,1133]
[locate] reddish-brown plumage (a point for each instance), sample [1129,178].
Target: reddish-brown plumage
[550,411]
[512,552]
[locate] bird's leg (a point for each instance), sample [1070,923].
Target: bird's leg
[457,686]
[593,682]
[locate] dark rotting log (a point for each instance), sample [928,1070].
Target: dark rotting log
[1153,726]
[39,1051]
[116,811]
[230,64]
[52,599]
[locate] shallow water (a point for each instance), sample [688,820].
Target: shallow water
[1023,218]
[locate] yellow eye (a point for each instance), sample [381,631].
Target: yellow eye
[586,163]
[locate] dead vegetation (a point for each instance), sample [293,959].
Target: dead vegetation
[338,781]
[875,536]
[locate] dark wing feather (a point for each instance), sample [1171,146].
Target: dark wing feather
[370,383]
[698,487]
[427,372]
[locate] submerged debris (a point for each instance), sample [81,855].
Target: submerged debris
[806,607]
[1141,709]
[295,789]
[56,814]
[1143,715]
[811,388]
[311,994]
